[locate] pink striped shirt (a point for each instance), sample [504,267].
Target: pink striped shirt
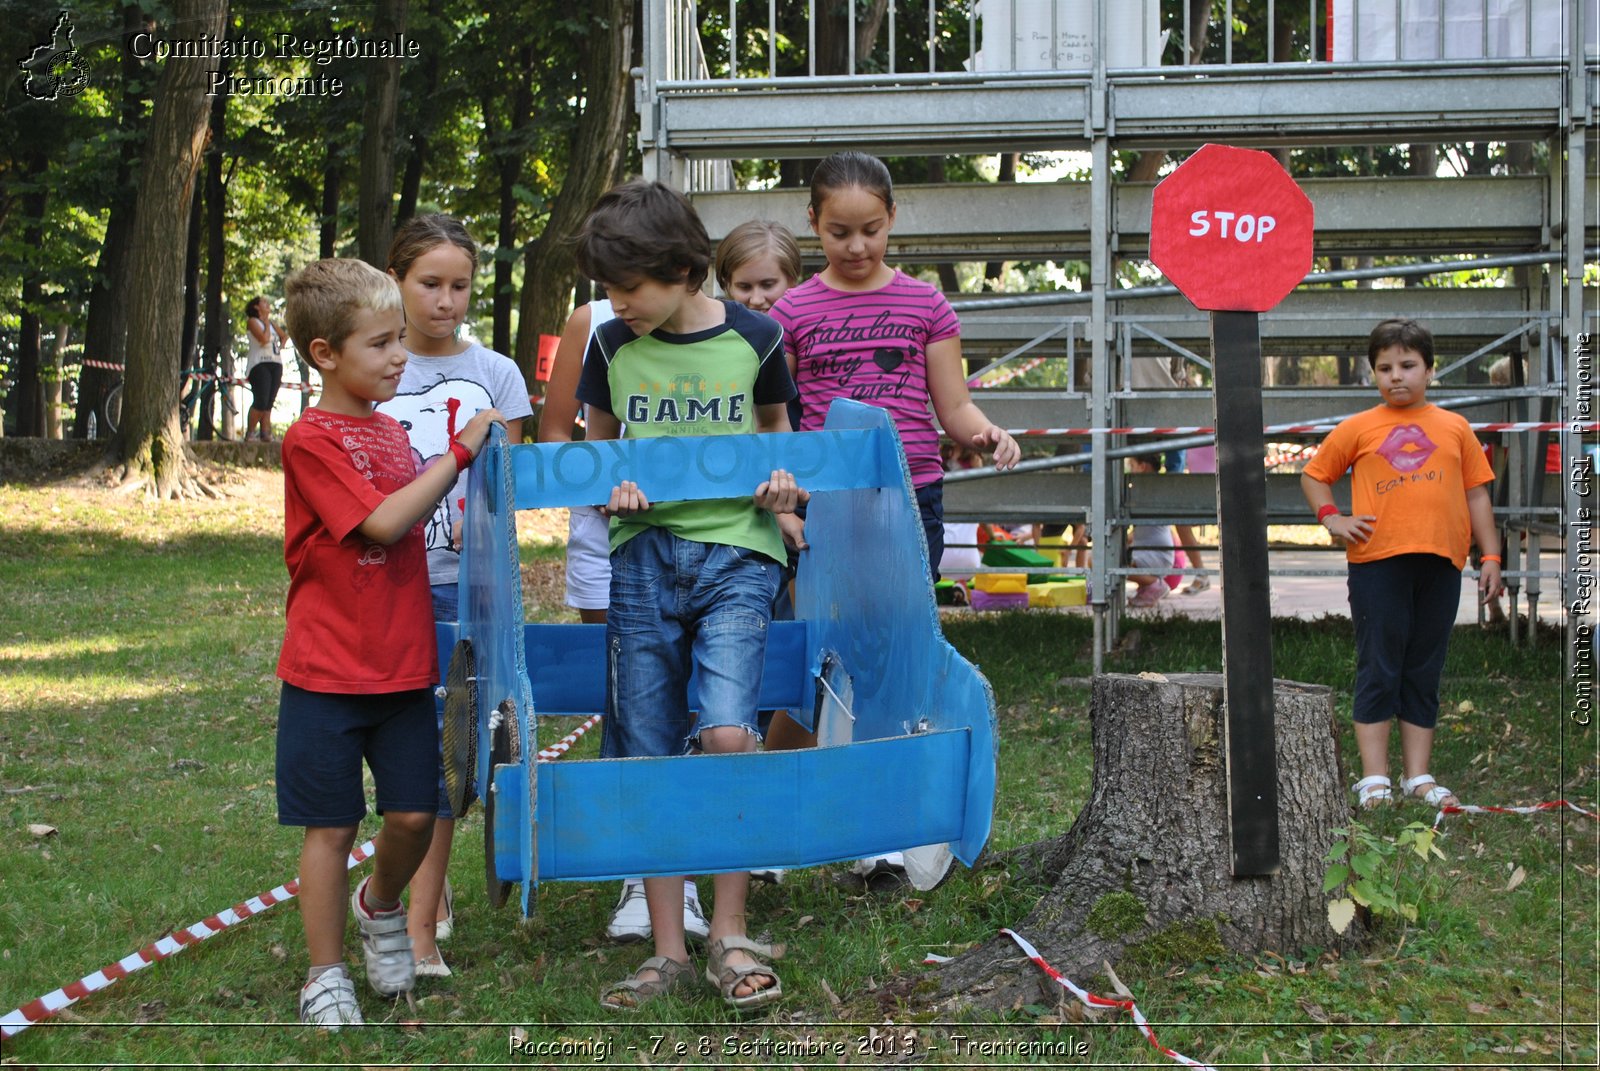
[871,346]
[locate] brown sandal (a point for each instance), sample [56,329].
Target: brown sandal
[727,977]
[634,992]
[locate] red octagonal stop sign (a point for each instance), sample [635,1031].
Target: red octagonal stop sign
[1231,230]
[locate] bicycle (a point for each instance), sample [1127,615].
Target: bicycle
[110,408]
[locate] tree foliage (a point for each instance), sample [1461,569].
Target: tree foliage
[487,114]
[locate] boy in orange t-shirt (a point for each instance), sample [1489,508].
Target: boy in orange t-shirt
[1419,483]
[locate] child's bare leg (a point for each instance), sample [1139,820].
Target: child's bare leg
[1416,756]
[1191,545]
[664,899]
[402,844]
[427,890]
[785,734]
[728,916]
[1372,740]
[325,891]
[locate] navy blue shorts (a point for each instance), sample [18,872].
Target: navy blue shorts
[1403,608]
[322,738]
[930,504]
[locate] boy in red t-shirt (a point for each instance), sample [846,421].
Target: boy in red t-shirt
[1419,485]
[358,660]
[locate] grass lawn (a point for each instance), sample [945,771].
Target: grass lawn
[137,711]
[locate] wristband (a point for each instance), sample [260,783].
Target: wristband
[462,455]
[1325,511]
[1490,558]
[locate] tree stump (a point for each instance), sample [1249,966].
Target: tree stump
[1143,879]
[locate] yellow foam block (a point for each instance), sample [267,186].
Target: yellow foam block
[1054,548]
[1002,583]
[1059,593]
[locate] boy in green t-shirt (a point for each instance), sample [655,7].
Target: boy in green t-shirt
[692,583]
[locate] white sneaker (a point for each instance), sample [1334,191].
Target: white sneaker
[630,921]
[328,1001]
[892,864]
[385,945]
[695,926]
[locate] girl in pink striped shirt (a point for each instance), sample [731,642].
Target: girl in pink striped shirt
[861,329]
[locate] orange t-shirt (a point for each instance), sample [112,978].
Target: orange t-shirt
[1412,469]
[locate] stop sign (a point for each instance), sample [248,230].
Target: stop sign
[1231,230]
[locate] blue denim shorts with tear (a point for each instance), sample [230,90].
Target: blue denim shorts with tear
[678,605]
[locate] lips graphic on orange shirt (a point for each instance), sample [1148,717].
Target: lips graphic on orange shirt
[1407,448]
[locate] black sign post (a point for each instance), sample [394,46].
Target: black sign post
[1246,593]
[1232,231]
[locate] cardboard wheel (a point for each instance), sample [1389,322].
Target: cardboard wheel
[499,755]
[460,745]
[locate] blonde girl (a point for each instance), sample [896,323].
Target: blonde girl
[447,379]
[757,262]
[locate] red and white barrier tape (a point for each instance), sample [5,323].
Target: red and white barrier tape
[1092,1001]
[38,1010]
[1551,805]
[1283,429]
[48,1005]
[204,377]
[560,747]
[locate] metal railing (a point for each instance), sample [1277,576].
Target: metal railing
[768,39]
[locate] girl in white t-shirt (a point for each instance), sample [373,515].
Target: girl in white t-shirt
[447,379]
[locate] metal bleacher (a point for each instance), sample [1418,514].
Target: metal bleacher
[740,80]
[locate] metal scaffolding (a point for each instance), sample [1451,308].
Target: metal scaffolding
[733,80]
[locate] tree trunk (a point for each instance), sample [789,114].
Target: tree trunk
[418,136]
[833,34]
[1143,879]
[328,219]
[505,138]
[188,346]
[216,335]
[327,243]
[375,215]
[106,332]
[30,346]
[50,380]
[593,163]
[152,452]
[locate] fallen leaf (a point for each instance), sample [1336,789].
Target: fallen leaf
[1313,1010]
[1518,876]
[833,998]
[1478,1009]
[803,920]
[1465,706]
[39,829]
[1149,676]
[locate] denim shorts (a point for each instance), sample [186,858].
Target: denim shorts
[322,738]
[446,601]
[678,605]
